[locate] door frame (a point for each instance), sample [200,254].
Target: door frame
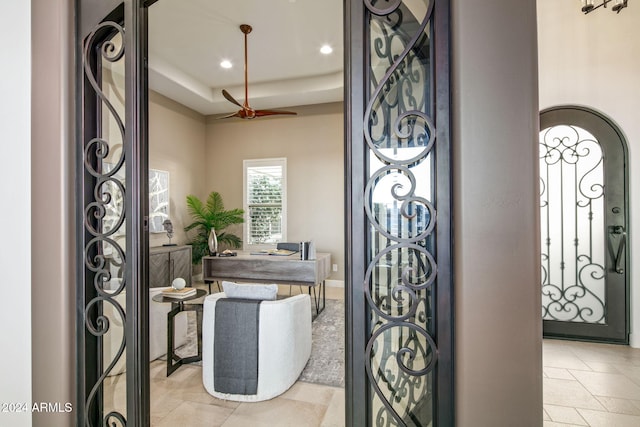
[96,20]
[136,271]
[356,96]
[583,117]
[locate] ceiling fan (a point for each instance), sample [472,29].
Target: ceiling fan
[246,112]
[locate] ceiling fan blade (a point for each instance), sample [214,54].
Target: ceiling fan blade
[230,98]
[262,113]
[247,112]
[236,114]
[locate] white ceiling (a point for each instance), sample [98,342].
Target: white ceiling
[189,38]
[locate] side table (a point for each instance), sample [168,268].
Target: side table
[178,305]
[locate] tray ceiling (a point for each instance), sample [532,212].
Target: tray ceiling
[189,38]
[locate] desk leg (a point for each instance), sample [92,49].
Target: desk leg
[318,297]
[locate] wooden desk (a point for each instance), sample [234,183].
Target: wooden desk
[285,270]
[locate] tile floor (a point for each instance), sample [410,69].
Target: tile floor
[588,384]
[585,384]
[182,400]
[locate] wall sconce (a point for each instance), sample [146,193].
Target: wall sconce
[589,6]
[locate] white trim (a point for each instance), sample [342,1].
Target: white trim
[330,283]
[634,340]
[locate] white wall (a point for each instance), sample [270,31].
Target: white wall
[15,193]
[594,60]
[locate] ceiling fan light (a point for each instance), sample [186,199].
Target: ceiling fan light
[618,5]
[226,63]
[326,49]
[587,6]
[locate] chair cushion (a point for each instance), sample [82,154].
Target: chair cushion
[252,291]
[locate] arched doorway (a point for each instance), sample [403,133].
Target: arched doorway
[584,225]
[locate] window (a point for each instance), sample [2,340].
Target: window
[265,201]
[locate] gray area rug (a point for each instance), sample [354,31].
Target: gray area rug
[326,364]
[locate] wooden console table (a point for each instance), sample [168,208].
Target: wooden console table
[284,270]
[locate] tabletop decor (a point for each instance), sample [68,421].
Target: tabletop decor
[208,216]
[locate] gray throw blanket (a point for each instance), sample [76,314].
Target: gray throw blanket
[235,346]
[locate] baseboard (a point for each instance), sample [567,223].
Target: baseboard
[334,283]
[634,340]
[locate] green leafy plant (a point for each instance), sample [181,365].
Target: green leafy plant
[208,215]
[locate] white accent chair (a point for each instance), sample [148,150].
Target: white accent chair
[112,340]
[284,346]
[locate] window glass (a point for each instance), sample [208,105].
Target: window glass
[265,201]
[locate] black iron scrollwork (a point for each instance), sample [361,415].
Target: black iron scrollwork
[572,190]
[401,352]
[104,215]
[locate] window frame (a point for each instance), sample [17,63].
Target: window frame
[266,162]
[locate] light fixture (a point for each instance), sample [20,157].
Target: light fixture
[589,5]
[226,64]
[326,49]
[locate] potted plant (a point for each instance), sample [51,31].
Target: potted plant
[208,216]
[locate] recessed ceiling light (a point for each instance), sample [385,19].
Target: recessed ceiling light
[326,49]
[226,64]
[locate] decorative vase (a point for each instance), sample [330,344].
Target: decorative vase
[213,242]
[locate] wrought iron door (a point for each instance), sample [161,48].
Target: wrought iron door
[111,167]
[399,309]
[583,226]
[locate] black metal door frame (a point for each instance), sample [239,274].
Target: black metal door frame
[96,22]
[132,13]
[357,96]
[616,222]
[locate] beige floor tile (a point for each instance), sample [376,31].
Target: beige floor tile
[602,367]
[609,385]
[629,371]
[607,419]
[194,414]
[335,293]
[607,353]
[334,417]
[563,359]
[555,424]
[557,373]
[563,414]
[620,406]
[277,412]
[308,392]
[568,393]
[162,401]
[545,416]
[188,389]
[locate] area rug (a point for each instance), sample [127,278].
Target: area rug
[326,364]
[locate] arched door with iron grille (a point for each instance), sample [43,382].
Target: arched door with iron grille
[584,227]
